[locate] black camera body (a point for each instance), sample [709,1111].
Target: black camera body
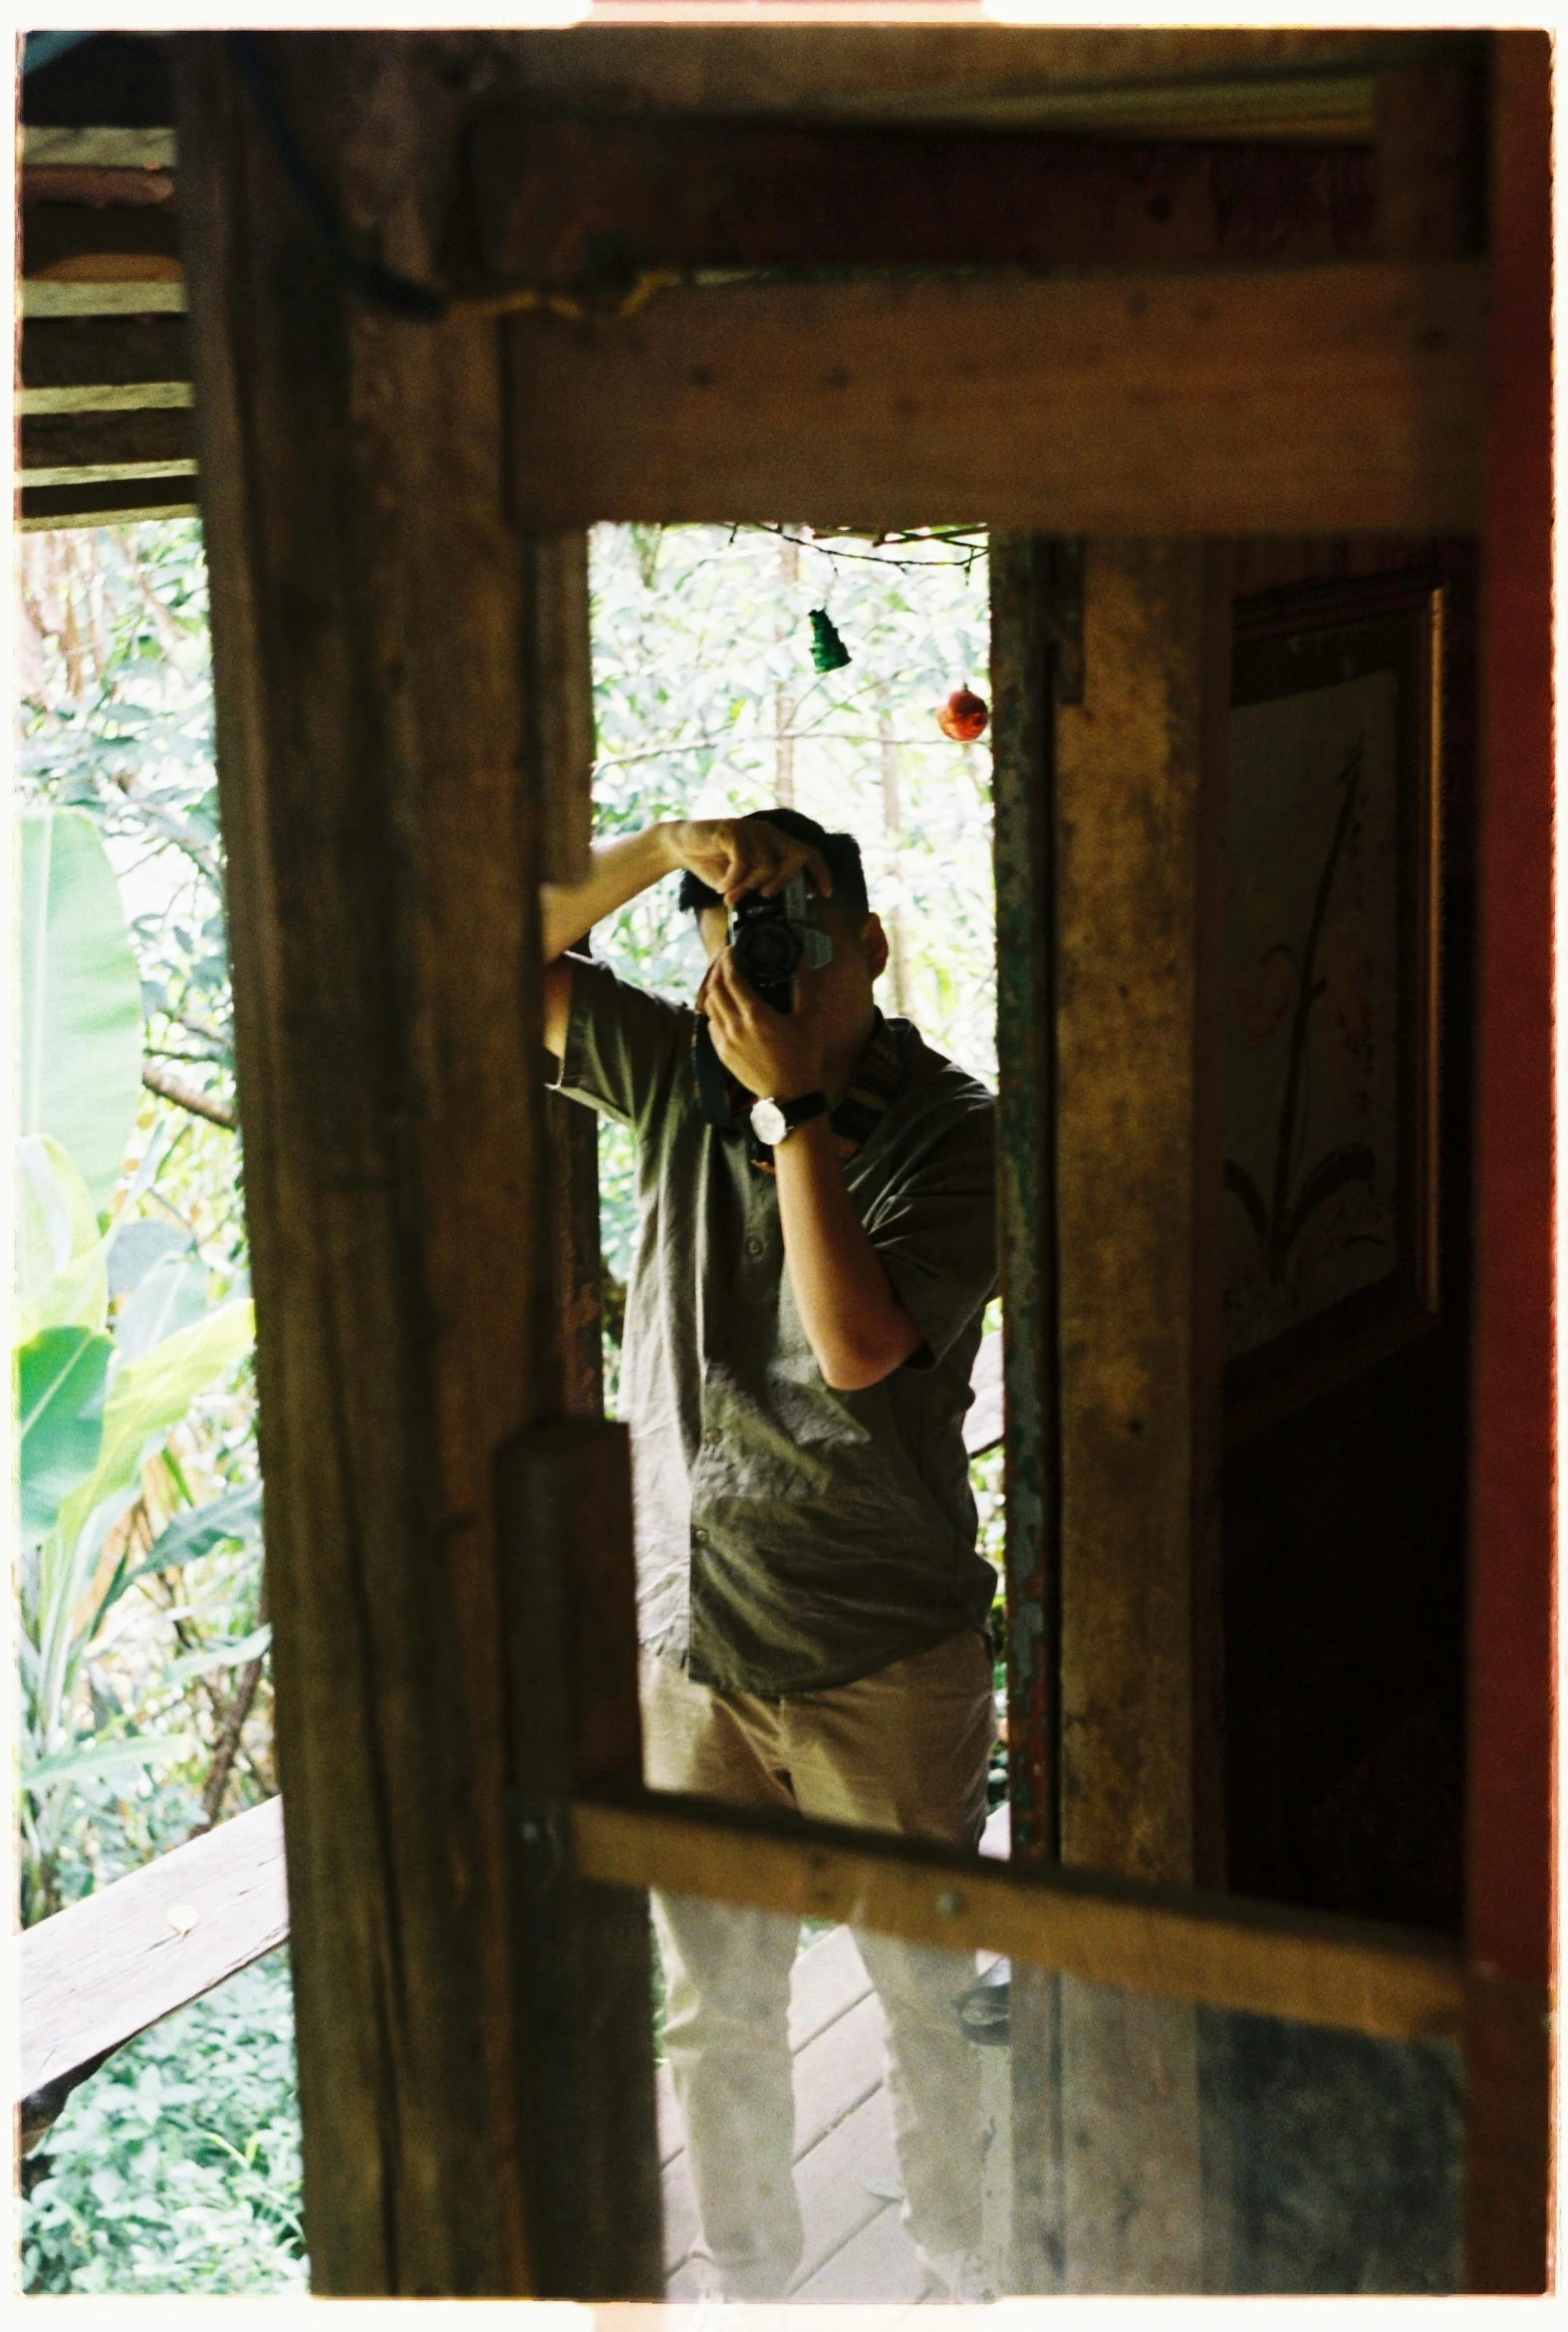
[773,938]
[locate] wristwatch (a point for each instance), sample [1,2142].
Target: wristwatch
[774,1122]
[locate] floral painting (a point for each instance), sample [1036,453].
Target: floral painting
[1326,989]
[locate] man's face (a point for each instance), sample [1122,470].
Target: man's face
[844,987]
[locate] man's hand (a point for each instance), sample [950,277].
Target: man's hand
[735,854]
[771,1053]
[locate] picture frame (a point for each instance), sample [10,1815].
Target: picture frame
[1332,986]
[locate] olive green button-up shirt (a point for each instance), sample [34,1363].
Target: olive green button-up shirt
[791,1537]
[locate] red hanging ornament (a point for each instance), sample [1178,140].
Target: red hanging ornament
[964,716]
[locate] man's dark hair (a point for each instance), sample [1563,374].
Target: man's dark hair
[842,852]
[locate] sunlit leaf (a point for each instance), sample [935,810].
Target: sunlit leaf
[149,1397]
[134,1249]
[60,1405]
[96,1757]
[170,1298]
[60,1256]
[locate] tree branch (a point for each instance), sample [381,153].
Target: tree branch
[185,1097]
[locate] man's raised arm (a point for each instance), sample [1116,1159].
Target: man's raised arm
[731,855]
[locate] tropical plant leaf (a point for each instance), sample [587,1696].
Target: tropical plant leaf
[222,1523]
[148,1398]
[95,1757]
[135,1246]
[59,1400]
[61,1258]
[171,1297]
[212,1655]
[81,1074]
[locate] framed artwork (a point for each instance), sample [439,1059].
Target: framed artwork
[1331,986]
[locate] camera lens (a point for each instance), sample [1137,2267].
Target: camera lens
[767,951]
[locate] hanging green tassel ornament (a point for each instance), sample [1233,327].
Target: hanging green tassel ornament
[828,651]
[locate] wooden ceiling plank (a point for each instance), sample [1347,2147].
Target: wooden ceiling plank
[556,198]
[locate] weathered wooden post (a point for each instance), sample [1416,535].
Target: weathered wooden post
[376,643]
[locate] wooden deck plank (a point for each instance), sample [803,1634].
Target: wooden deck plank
[878,2265]
[828,1980]
[836,2197]
[104,1969]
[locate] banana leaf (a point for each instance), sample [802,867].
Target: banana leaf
[146,1398]
[172,1296]
[95,1757]
[61,1278]
[189,1536]
[81,1000]
[59,1400]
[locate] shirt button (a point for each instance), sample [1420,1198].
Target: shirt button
[701,1536]
[753,1246]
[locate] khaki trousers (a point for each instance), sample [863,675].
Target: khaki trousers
[905,1751]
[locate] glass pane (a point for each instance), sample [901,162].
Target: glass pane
[1024,2133]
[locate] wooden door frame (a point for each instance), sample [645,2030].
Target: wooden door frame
[380,426]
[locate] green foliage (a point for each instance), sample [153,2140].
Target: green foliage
[707,705]
[94,1410]
[80,1006]
[117,722]
[176,2168]
[60,1413]
[130,1623]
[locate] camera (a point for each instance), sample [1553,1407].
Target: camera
[772,937]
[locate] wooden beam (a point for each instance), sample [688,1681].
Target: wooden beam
[130,296]
[48,147]
[114,351]
[163,436]
[1146,81]
[379,756]
[113,502]
[1036,624]
[1138,888]
[1314,399]
[104,1969]
[103,188]
[588,2136]
[1164,1940]
[132,398]
[558,200]
[1511,1814]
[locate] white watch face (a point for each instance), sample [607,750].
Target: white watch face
[768,1121]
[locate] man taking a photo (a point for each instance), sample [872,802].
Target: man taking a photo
[802,1320]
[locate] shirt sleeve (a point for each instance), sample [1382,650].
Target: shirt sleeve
[626,1050]
[935,1231]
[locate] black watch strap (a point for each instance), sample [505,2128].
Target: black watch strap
[799,1112]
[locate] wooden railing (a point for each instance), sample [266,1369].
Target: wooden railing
[104,1969]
